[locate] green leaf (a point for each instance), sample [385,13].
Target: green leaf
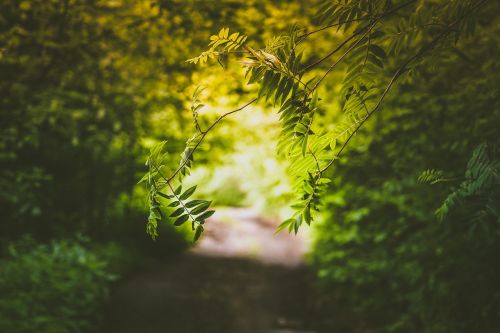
[198,232]
[205,215]
[333,144]
[165,195]
[314,100]
[201,208]
[144,178]
[300,129]
[154,215]
[284,225]
[304,145]
[298,206]
[281,88]
[375,60]
[324,181]
[256,74]
[291,226]
[378,51]
[307,215]
[376,34]
[177,212]
[233,36]
[178,190]
[174,204]
[187,193]
[152,228]
[194,203]
[298,222]
[268,75]
[159,211]
[181,220]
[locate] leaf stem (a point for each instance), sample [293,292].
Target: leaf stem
[399,72]
[203,134]
[181,203]
[369,26]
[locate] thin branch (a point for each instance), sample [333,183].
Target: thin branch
[398,73]
[342,57]
[377,106]
[369,26]
[332,52]
[203,134]
[315,162]
[273,67]
[292,76]
[182,203]
[302,37]
[175,195]
[318,173]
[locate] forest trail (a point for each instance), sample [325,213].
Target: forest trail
[243,233]
[240,278]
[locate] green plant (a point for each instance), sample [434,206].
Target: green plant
[386,42]
[386,261]
[53,288]
[476,197]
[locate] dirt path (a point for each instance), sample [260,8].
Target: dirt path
[242,233]
[239,279]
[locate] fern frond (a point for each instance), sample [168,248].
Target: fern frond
[204,56]
[343,13]
[431,176]
[481,177]
[196,105]
[221,43]
[176,201]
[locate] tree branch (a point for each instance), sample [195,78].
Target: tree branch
[370,26]
[398,73]
[203,134]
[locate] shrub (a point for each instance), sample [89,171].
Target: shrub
[52,288]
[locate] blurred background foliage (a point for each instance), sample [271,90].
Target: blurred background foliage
[380,250]
[57,287]
[87,87]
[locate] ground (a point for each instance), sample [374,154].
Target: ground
[240,278]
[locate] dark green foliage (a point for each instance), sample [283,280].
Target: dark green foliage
[375,93]
[82,85]
[70,120]
[478,195]
[162,193]
[381,252]
[431,176]
[372,27]
[419,83]
[52,288]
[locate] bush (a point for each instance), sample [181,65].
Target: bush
[51,288]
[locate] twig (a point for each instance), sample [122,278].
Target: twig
[203,134]
[307,34]
[342,57]
[369,26]
[397,74]
[314,64]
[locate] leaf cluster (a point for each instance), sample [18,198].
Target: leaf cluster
[345,13]
[431,176]
[372,46]
[163,196]
[221,43]
[480,186]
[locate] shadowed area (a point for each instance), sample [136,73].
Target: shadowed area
[239,278]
